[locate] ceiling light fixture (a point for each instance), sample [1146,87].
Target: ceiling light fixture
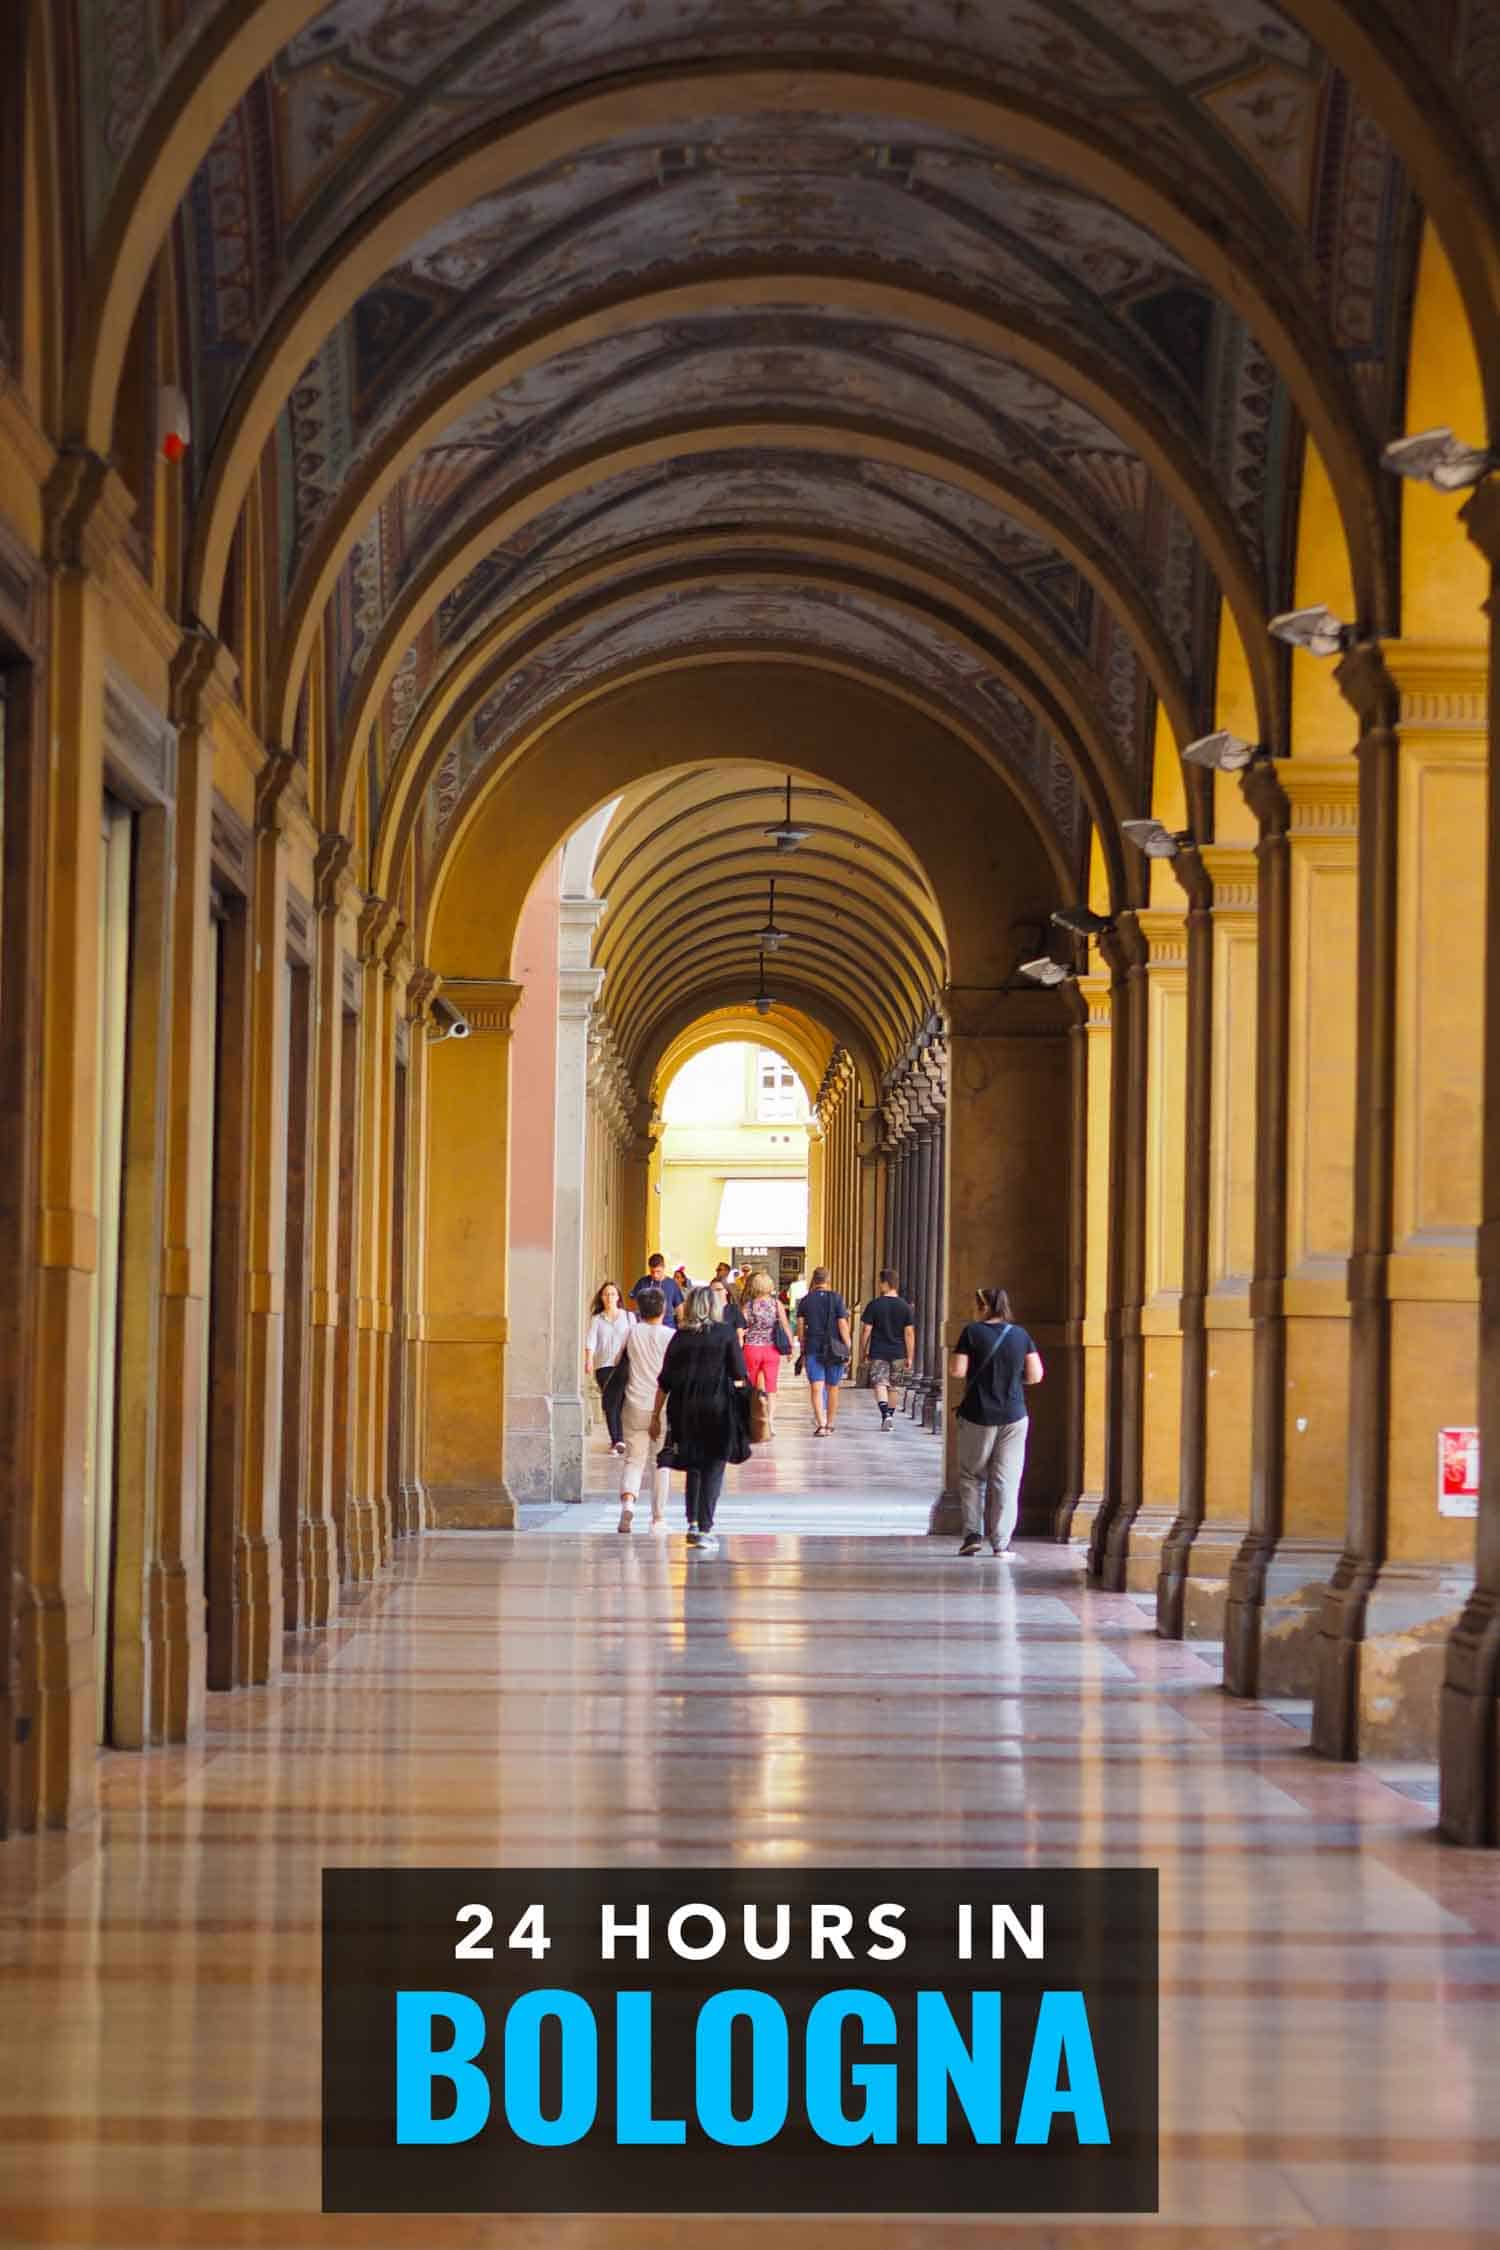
[1315,629]
[1438,458]
[1224,751]
[1155,838]
[1082,921]
[770,937]
[763,1003]
[1044,970]
[785,834]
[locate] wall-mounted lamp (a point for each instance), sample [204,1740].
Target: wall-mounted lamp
[1044,970]
[447,1022]
[1315,629]
[770,937]
[1438,458]
[1082,921]
[1155,838]
[785,834]
[1224,751]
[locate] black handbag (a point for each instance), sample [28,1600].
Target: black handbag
[781,1334]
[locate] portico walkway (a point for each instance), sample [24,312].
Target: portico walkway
[1330,1972]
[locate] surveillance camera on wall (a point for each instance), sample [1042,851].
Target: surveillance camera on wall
[448,1023]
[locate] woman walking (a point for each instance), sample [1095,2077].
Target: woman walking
[700,1389]
[823,1334]
[994,1360]
[645,1348]
[608,1328]
[767,1340]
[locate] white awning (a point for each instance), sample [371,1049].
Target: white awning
[773,1212]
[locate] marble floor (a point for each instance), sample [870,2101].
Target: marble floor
[831,1686]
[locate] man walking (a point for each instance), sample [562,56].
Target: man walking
[644,1350]
[657,1277]
[887,1340]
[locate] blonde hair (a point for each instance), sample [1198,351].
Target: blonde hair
[760,1284]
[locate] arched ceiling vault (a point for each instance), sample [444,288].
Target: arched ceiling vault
[1039,713]
[1006,319]
[799,1040]
[685,868]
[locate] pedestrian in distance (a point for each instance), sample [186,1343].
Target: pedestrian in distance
[767,1340]
[610,1322]
[887,1340]
[645,1348]
[995,1360]
[656,1277]
[823,1335]
[702,1392]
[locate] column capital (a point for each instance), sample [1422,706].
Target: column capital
[1163,933]
[375,917]
[1233,871]
[421,991]
[271,785]
[1193,874]
[202,679]
[577,990]
[1095,991]
[1260,786]
[397,955]
[577,920]
[330,872]
[1365,683]
[1321,794]
[87,510]
[487,1004]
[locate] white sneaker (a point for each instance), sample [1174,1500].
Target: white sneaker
[658,1520]
[708,1543]
[627,1517]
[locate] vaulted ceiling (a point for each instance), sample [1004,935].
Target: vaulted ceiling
[966,343]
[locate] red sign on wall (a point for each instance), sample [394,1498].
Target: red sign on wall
[1458,1472]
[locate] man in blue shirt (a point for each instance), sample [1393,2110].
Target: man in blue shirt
[657,1277]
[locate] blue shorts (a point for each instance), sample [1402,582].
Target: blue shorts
[823,1370]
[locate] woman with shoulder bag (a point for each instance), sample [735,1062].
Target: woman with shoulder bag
[823,1333]
[994,1360]
[703,1392]
[766,1342]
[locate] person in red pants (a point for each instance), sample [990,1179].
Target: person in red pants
[767,1337]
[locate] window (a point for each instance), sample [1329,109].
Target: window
[777,1089]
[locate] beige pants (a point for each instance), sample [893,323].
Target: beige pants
[641,1449]
[990,1461]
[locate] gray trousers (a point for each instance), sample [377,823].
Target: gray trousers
[990,1461]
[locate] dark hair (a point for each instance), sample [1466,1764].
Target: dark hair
[655,1259]
[996,1304]
[598,1304]
[818,1279]
[889,1274]
[651,1303]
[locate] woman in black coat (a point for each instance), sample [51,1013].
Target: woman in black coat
[703,1391]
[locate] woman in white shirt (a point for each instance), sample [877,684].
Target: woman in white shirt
[608,1328]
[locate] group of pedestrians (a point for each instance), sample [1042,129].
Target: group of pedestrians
[676,1367]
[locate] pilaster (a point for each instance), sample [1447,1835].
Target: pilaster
[1126,951]
[468,1197]
[413,1512]
[322,1559]
[367,1528]
[579,986]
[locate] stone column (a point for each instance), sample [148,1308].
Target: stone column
[1007,1203]
[1097,1037]
[88,510]
[335,895]
[642,1214]
[578,989]
[1126,950]
[468,1197]
[1250,1569]
[1176,1548]
[366,1531]
[257,1546]
[1469,1801]
[413,1511]
[202,686]
[867,1148]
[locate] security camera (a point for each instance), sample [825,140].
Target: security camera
[447,1021]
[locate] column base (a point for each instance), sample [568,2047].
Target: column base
[945,1518]
[473,1507]
[1381,1656]
[1469,1726]
[317,1571]
[411,1511]
[1270,1638]
[257,1611]
[1192,1585]
[361,1540]
[55,1764]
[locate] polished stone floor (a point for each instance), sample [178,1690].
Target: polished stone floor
[1330,2051]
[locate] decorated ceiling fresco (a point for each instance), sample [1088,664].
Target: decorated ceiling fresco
[1051,349]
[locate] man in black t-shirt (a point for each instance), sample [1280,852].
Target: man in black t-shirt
[887,1340]
[994,1359]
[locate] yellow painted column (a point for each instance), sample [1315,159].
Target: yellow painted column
[1094,993]
[258,1596]
[1164,934]
[468,1198]
[334,896]
[816,1239]
[413,1509]
[202,685]
[367,1531]
[88,510]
